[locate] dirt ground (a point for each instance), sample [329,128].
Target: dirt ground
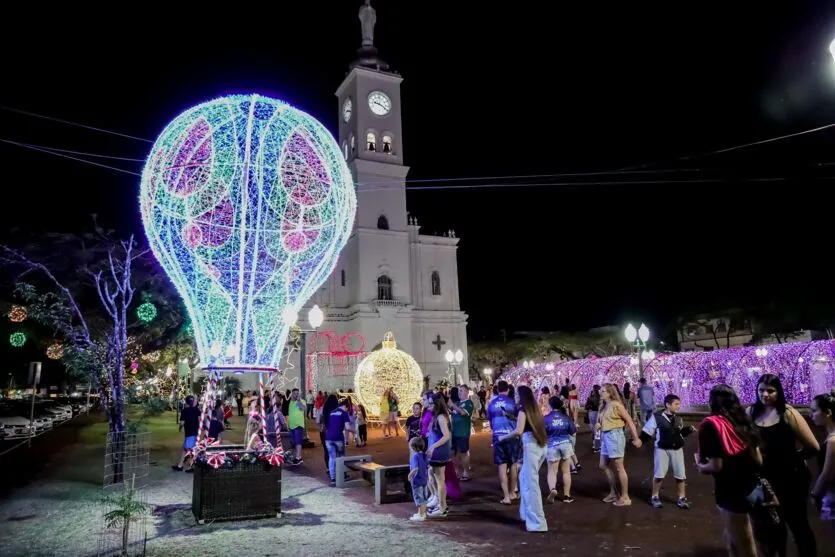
[59,496]
[586,527]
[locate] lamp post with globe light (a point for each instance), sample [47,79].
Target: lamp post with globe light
[315,317]
[638,339]
[832,49]
[453,360]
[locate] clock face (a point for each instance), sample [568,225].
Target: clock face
[347,108]
[379,103]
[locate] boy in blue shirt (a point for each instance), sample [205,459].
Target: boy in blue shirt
[502,412]
[418,476]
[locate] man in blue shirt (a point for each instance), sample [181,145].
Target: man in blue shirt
[502,413]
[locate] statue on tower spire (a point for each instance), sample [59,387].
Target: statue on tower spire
[368,18]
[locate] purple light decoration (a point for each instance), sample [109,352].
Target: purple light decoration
[805,369]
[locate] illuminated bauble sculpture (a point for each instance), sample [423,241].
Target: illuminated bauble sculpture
[55,351]
[17,339]
[146,312]
[18,314]
[384,368]
[247,203]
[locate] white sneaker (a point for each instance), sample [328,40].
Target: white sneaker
[438,513]
[432,502]
[417,517]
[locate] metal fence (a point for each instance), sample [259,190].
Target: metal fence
[126,472]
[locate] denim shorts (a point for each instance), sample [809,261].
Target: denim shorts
[189,442]
[420,493]
[613,443]
[742,504]
[507,452]
[563,451]
[298,436]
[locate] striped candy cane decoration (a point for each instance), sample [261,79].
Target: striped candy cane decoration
[206,415]
[263,415]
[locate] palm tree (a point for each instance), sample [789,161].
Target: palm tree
[127,510]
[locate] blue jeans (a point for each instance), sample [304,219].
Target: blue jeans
[530,494]
[336,449]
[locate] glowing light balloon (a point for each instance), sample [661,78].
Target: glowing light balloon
[247,203]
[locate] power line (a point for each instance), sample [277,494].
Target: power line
[47,148]
[68,157]
[736,147]
[27,113]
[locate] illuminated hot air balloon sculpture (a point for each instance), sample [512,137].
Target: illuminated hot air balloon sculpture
[247,203]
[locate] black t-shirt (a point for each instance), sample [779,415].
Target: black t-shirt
[739,474]
[413,426]
[564,391]
[190,416]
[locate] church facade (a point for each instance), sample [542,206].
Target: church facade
[389,277]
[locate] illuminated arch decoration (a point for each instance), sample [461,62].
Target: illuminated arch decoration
[247,203]
[17,339]
[805,369]
[384,368]
[18,314]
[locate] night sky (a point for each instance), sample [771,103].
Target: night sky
[487,92]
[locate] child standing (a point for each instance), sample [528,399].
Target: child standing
[362,429]
[418,476]
[669,431]
[413,422]
[559,449]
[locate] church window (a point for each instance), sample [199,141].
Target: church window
[371,141]
[436,283]
[353,144]
[386,144]
[345,150]
[382,222]
[384,288]
[342,277]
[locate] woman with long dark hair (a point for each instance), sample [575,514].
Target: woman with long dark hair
[531,428]
[331,403]
[785,438]
[728,450]
[823,492]
[438,451]
[337,421]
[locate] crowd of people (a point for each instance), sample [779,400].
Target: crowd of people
[756,455]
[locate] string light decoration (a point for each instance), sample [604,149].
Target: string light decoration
[247,203]
[146,312]
[17,339]
[18,314]
[384,368]
[55,351]
[805,370]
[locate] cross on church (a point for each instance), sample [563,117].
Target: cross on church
[438,342]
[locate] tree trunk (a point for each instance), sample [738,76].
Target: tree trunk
[125,531]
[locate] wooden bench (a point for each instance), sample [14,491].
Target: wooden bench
[391,483]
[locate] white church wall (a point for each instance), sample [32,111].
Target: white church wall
[384,252]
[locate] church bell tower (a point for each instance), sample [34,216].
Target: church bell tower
[371,134]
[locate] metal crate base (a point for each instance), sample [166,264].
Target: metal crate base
[246,491]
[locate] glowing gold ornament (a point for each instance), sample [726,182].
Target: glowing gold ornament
[18,314]
[384,368]
[55,351]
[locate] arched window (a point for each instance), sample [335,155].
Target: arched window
[342,277]
[386,144]
[436,283]
[382,222]
[384,288]
[371,141]
[353,144]
[345,150]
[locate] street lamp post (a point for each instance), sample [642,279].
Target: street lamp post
[638,339]
[453,360]
[832,49]
[315,317]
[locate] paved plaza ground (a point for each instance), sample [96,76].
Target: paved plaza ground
[57,512]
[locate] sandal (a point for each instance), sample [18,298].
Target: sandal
[623,502]
[610,498]
[552,496]
[505,502]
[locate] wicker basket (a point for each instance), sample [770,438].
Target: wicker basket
[247,490]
